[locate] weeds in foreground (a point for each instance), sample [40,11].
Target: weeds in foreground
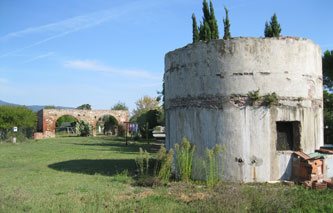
[164,164]
[184,158]
[142,162]
[212,165]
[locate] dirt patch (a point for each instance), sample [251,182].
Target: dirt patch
[134,196]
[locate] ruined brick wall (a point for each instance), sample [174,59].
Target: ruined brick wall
[206,98]
[47,118]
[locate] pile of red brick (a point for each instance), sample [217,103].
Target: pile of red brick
[310,171]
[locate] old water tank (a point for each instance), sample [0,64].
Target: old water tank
[260,97]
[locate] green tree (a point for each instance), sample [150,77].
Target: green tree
[49,107]
[119,106]
[84,107]
[213,23]
[66,119]
[208,29]
[16,116]
[147,121]
[328,70]
[272,29]
[328,96]
[268,30]
[201,32]
[162,97]
[328,117]
[84,128]
[195,29]
[206,35]
[144,105]
[226,23]
[110,123]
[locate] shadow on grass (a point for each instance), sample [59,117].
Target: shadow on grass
[107,167]
[123,148]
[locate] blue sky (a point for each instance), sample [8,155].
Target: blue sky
[72,52]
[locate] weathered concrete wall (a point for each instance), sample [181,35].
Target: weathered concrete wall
[47,118]
[206,87]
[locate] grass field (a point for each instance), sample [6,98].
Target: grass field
[77,174]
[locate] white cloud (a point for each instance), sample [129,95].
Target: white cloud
[3,80]
[91,65]
[39,57]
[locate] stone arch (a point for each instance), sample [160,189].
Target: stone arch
[47,118]
[112,115]
[60,116]
[56,119]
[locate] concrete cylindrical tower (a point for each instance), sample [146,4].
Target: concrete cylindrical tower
[260,97]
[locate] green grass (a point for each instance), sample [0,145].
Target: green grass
[77,174]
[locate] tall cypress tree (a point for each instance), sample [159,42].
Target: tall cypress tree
[272,29]
[201,32]
[208,28]
[195,29]
[226,23]
[206,18]
[268,30]
[276,29]
[207,31]
[205,10]
[213,22]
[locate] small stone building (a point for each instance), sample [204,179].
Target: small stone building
[260,97]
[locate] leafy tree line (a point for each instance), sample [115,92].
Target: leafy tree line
[16,116]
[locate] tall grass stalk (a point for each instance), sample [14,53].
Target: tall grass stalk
[212,166]
[142,162]
[164,164]
[184,158]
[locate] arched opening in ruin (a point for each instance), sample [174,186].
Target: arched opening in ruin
[65,126]
[107,125]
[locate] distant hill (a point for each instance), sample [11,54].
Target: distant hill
[35,108]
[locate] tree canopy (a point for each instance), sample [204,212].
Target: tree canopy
[119,106]
[84,107]
[143,105]
[18,116]
[49,107]
[273,28]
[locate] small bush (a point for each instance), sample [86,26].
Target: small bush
[271,99]
[148,181]
[299,99]
[184,158]
[164,164]
[253,96]
[84,128]
[212,165]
